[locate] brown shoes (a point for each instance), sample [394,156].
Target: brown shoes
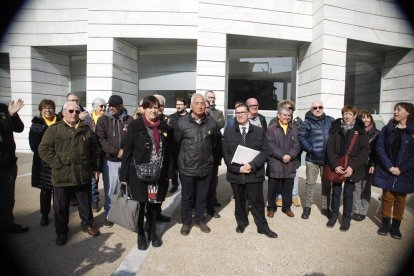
[270,214]
[289,213]
[91,230]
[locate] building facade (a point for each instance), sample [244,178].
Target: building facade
[341,52]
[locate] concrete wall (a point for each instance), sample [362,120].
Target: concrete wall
[397,82]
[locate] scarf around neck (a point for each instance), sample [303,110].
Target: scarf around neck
[155,134]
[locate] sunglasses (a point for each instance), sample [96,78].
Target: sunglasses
[102,106]
[317,107]
[76,111]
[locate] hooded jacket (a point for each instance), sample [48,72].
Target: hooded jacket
[111,132]
[403,183]
[71,152]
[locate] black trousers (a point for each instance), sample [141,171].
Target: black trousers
[45,201]
[254,193]
[61,205]
[7,186]
[283,186]
[212,192]
[201,186]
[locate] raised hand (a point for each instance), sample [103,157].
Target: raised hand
[15,106]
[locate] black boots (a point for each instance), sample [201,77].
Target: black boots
[306,212]
[395,229]
[142,240]
[385,227]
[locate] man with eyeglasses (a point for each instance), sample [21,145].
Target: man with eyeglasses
[69,147]
[247,179]
[180,105]
[111,130]
[197,137]
[255,117]
[313,137]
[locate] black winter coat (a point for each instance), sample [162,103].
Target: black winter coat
[255,139]
[338,143]
[41,172]
[138,146]
[8,125]
[199,145]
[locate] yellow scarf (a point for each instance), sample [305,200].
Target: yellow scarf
[50,122]
[95,117]
[66,122]
[284,126]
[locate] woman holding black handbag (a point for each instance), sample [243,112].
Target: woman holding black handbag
[148,141]
[340,138]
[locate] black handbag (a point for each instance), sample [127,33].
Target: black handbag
[148,172]
[124,210]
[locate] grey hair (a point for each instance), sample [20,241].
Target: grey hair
[65,106]
[280,109]
[196,95]
[98,101]
[209,91]
[160,97]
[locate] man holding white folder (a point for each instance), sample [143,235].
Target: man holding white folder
[245,171]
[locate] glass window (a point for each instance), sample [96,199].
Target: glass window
[171,73]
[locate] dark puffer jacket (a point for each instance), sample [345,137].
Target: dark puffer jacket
[41,172]
[403,183]
[313,135]
[255,139]
[71,152]
[338,143]
[198,145]
[281,144]
[138,146]
[111,133]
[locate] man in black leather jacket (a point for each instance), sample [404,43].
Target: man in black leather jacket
[197,137]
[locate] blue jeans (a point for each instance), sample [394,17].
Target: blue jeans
[110,174]
[95,190]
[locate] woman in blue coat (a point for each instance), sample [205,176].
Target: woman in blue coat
[395,167]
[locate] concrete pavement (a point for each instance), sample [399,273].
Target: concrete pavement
[304,247]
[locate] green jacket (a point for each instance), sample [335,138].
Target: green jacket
[72,153]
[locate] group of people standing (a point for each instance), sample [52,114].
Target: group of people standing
[73,147]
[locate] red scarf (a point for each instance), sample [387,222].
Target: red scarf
[155,134]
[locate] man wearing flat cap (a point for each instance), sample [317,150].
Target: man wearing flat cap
[110,131]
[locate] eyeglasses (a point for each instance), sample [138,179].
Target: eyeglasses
[48,108]
[317,107]
[242,113]
[74,100]
[211,97]
[254,105]
[76,111]
[102,106]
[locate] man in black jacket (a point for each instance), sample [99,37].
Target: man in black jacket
[197,137]
[111,130]
[247,179]
[9,122]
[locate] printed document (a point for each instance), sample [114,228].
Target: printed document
[244,155]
